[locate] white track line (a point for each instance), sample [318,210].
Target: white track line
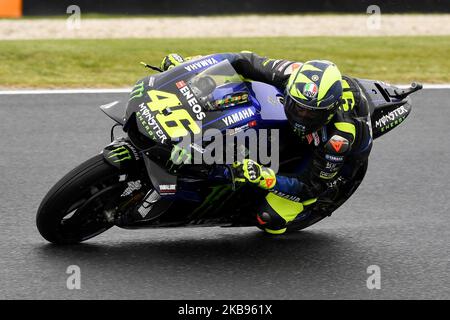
[64,91]
[127,90]
[428,86]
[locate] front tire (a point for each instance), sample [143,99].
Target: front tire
[74,210]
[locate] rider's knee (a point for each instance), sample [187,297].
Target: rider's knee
[270,220]
[271,223]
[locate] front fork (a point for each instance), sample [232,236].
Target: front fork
[122,154]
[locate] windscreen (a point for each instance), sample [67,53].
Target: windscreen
[219,87]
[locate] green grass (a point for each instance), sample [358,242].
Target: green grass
[113,63]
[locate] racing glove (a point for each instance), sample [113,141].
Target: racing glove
[170,61]
[252,172]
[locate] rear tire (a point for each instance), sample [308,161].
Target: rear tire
[74,209]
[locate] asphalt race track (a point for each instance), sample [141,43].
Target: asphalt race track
[397,220]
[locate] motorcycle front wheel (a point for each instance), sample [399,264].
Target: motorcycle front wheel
[81,205]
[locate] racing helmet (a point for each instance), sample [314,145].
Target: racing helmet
[313,94]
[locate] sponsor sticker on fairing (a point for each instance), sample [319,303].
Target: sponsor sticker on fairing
[180,84]
[132,186]
[191,99]
[238,116]
[201,64]
[167,188]
[391,116]
[149,123]
[234,131]
[151,81]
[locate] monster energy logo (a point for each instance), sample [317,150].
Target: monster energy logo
[214,201]
[138,91]
[121,153]
[393,124]
[387,119]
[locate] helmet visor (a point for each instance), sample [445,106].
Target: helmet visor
[305,118]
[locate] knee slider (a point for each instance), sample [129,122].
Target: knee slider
[263,218]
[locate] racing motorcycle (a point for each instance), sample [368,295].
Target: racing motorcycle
[133,182]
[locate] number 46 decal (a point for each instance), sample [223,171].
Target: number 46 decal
[172,123]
